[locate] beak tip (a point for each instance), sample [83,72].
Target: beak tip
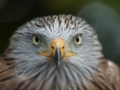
[58,64]
[57,68]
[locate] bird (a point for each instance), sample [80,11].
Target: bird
[59,52]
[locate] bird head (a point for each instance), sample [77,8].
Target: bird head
[61,43]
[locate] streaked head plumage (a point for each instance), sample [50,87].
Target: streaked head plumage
[29,61]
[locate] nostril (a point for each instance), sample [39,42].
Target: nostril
[63,47]
[52,47]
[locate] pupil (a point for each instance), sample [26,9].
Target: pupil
[77,39]
[37,39]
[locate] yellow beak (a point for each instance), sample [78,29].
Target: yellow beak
[58,52]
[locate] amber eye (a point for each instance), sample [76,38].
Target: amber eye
[36,40]
[78,39]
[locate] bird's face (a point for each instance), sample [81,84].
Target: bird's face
[51,43]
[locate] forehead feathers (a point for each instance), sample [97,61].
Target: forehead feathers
[57,26]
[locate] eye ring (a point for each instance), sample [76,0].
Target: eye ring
[36,40]
[78,39]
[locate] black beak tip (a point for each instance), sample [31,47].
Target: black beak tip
[58,65]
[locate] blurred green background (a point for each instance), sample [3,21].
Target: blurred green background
[102,15]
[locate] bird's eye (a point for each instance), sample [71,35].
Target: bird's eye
[78,39]
[36,40]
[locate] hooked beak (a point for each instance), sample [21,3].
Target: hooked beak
[57,58]
[58,52]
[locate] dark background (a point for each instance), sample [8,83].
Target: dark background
[102,15]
